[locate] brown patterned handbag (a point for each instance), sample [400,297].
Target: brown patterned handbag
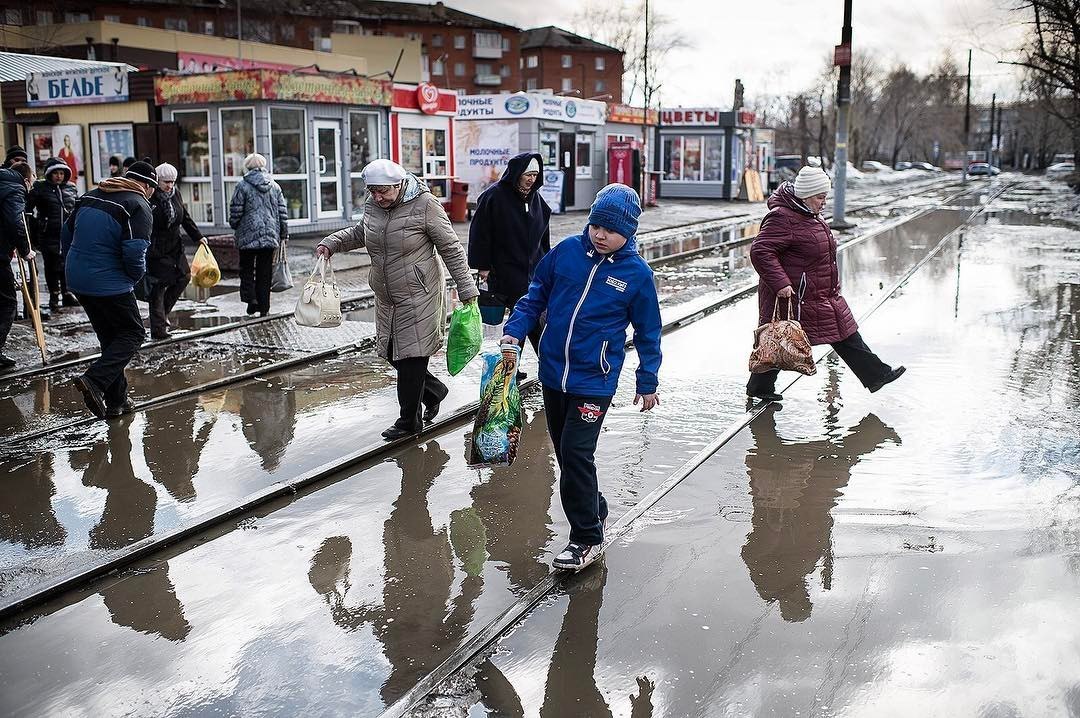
[782,344]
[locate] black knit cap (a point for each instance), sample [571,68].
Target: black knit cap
[144,172]
[15,152]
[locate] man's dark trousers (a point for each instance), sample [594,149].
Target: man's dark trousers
[574,423]
[119,329]
[8,302]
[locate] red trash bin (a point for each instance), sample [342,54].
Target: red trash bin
[459,201]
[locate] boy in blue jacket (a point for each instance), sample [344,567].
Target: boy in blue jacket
[593,287]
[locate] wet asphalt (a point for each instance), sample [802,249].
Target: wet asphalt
[370,581]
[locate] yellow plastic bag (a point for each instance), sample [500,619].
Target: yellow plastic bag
[204,268]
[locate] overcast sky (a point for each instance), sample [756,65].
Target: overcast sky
[780,45]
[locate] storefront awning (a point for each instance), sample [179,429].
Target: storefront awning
[264,84]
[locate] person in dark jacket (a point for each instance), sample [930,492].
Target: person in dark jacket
[105,241]
[509,233]
[258,216]
[593,287]
[14,184]
[13,155]
[51,200]
[166,263]
[17,156]
[795,258]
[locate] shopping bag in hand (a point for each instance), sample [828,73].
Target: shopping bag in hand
[204,268]
[319,304]
[282,279]
[466,335]
[498,422]
[782,344]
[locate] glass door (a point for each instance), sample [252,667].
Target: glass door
[328,156]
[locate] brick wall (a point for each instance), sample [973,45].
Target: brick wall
[582,74]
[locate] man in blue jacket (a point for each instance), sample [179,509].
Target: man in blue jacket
[593,287]
[105,241]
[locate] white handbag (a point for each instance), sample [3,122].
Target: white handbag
[320,302]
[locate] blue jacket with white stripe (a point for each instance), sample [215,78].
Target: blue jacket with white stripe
[590,300]
[105,241]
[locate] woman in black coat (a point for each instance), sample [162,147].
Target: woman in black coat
[166,264]
[51,200]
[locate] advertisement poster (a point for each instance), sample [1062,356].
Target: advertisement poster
[270,85]
[65,143]
[109,141]
[482,151]
[552,190]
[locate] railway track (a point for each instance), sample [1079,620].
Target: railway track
[372,453]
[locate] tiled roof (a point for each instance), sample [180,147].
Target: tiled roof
[552,36]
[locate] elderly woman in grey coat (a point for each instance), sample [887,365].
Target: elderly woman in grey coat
[404,226]
[258,215]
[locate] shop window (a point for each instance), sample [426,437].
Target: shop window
[364,147]
[412,150]
[288,158]
[436,40]
[532,61]
[195,185]
[459,42]
[672,160]
[567,61]
[237,142]
[549,149]
[584,156]
[713,163]
[459,69]
[599,63]
[692,158]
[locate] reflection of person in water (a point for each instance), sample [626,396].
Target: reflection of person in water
[413,624]
[26,512]
[268,413]
[571,688]
[172,446]
[145,601]
[517,537]
[130,504]
[794,486]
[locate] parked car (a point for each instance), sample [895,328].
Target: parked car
[901,166]
[1061,169]
[982,168]
[785,167]
[874,166]
[925,167]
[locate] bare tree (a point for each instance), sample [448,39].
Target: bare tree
[622,25]
[1052,52]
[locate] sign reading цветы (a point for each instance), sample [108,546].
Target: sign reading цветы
[77,86]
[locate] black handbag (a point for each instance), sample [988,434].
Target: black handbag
[492,305]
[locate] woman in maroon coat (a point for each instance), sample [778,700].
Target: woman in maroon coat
[795,256]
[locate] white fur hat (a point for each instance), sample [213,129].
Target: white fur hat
[811,181]
[166,172]
[383,172]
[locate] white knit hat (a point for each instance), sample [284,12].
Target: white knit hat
[533,166]
[166,172]
[383,172]
[811,181]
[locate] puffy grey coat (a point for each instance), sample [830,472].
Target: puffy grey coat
[406,275]
[257,212]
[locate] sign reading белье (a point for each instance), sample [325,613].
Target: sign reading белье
[78,86]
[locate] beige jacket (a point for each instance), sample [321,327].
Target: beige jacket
[406,275]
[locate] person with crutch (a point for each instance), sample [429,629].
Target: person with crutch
[15,182]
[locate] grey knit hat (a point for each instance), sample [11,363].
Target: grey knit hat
[811,181]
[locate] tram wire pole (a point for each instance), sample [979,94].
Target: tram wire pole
[967,124]
[842,57]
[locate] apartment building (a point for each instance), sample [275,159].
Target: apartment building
[559,60]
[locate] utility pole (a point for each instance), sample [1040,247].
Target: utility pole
[990,133]
[967,123]
[997,135]
[842,57]
[645,144]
